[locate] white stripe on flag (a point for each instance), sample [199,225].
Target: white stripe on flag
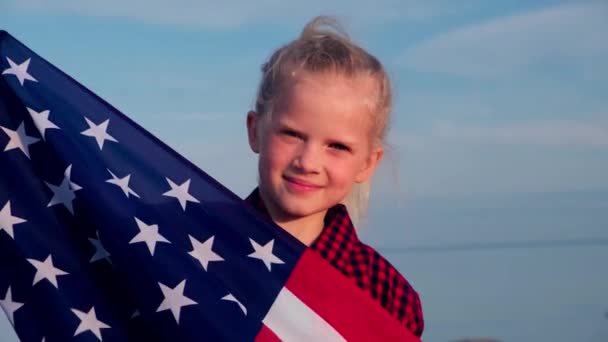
[293,321]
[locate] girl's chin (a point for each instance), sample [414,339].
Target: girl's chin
[298,210]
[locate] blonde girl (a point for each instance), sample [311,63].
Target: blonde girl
[319,126]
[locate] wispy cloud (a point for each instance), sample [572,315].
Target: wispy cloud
[193,117]
[230,14]
[543,133]
[468,157]
[571,34]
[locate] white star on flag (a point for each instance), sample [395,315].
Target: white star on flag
[8,221]
[229,297]
[100,251]
[264,253]
[89,322]
[122,183]
[174,299]
[99,132]
[64,193]
[42,122]
[148,234]
[19,70]
[46,270]
[135,314]
[68,174]
[10,306]
[18,139]
[203,251]
[181,193]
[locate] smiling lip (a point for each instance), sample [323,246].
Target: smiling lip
[299,185]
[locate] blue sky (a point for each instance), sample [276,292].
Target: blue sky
[500,129]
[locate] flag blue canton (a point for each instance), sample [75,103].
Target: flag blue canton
[107,234]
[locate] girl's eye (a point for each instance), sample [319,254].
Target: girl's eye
[340,147]
[290,133]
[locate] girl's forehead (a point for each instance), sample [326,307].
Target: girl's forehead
[353,90]
[329,106]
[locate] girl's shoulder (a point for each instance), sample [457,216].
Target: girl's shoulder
[340,245]
[388,286]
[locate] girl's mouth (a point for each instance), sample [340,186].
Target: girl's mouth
[298,185]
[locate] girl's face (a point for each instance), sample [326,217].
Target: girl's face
[315,145]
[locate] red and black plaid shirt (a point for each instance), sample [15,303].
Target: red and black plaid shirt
[339,244]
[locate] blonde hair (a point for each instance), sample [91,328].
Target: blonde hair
[324,46]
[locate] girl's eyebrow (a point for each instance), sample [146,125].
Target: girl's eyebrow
[286,125]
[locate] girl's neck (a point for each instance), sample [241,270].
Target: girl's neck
[306,228]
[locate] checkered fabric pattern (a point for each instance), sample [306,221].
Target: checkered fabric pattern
[339,244]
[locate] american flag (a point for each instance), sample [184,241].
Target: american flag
[107,234]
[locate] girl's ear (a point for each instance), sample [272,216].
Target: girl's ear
[252,131]
[372,161]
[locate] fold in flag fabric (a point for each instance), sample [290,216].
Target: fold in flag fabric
[107,234]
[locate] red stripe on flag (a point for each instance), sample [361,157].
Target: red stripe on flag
[346,307]
[266,335]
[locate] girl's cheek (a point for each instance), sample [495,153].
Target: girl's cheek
[278,151]
[342,160]
[284,142]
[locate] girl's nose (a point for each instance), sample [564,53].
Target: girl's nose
[308,159]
